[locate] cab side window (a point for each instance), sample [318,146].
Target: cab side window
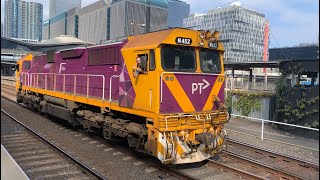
[152,63]
[26,64]
[144,61]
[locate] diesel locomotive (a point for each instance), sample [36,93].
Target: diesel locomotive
[161,92]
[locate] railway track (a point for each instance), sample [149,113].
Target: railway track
[154,165]
[272,163]
[36,154]
[240,160]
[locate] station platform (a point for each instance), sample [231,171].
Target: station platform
[10,170]
[252,128]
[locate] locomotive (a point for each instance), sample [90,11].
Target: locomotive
[160,92]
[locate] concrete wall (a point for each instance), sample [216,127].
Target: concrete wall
[93,22]
[45,32]
[126,12]
[58,28]
[264,112]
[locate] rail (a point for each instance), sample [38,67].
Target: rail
[8,80]
[84,166]
[261,150]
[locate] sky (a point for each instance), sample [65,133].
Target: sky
[291,21]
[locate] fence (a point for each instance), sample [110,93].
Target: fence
[256,84]
[263,121]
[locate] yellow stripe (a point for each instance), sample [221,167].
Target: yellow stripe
[214,92]
[179,94]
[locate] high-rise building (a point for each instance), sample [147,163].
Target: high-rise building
[23,19]
[244,32]
[30,17]
[105,20]
[177,11]
[65,23]
[57,7]
[1,28]
[11,18]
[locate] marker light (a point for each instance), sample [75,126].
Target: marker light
[202,35]
[201,43]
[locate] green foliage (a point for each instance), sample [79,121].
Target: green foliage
[251,93]
[247,101]
[294,112]
[229,103]
[247,104]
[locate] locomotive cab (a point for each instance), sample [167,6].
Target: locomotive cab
[183,86]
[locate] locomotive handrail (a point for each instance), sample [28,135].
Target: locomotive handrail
[25,80]
[161,86]
[110,86]
[64,81]
[197,116]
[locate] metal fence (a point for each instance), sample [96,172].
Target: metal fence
[258,84]
[264,121]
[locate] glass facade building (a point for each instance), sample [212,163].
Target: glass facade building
[177,11]
[23,19]
[57,7]
[243,32]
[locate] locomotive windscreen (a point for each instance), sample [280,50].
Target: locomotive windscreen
[210,61]
[178,58]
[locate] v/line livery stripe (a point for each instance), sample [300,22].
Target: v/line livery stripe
[214,92]
[180,95]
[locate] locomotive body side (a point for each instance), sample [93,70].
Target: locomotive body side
[173,110]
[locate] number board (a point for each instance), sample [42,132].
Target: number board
[182,40]
[213,45]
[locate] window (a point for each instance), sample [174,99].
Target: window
[144,61]
[152,63]
[26,64]
[178,58]
[210,61]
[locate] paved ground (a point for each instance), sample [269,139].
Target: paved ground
[254,128]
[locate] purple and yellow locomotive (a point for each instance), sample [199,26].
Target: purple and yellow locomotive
[162,92]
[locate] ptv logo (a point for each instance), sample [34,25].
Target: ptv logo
[200,86]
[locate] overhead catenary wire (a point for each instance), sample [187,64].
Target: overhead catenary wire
[279,45]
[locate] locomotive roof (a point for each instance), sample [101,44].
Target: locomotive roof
[154,39]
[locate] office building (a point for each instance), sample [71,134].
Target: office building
[23,19]
[57,7]
[1,28]
[106,20]
[243,32]
[301,52]
[177,11]
[65,23]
